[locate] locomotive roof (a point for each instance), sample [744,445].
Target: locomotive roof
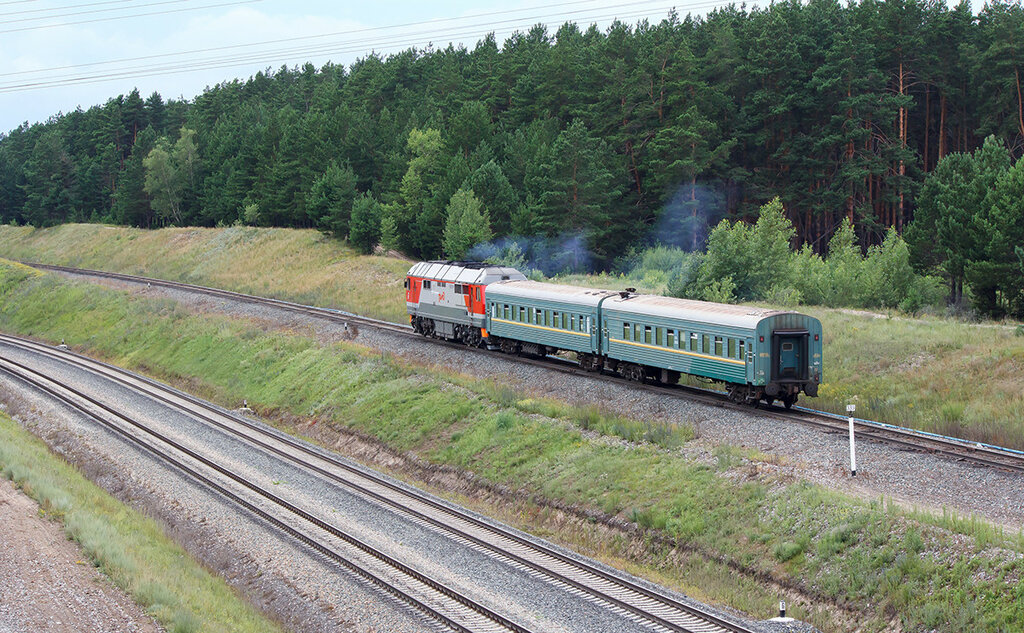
[463,272]
[691,310]
[551,292]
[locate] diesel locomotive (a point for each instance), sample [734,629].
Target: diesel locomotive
[760,355]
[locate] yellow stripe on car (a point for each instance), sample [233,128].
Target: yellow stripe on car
[679,351]
[540,327]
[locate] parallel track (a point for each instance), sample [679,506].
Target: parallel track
[456,611]
[907,439]
[660,611]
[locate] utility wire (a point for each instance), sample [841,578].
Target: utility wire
[64,8]
[124,17]
[489,14]
[387,42]
[345,33]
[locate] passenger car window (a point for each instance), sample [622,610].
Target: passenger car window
[718,346]
[647,334]
[625,332]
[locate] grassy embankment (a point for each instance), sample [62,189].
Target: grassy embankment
[128,547]
[877,562]
[287,264]
[934,374]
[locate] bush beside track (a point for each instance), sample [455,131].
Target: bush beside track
[849,562]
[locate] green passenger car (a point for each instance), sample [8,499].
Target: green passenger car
[759,354]
[539,318]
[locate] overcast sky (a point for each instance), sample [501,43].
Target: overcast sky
[95,49]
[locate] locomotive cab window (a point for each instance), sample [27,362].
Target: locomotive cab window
[426,284]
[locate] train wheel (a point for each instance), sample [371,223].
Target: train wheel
[427,327]
[736,394]
[589,362]
[632,372]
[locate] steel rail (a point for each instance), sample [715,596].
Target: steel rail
[904,438]
[32,377]
[662,602]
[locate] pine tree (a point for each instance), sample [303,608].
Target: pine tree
[389,240]
[467,224]
[329,201]
[492,188]
[365,231]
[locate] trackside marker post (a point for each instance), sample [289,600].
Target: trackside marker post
[850,408]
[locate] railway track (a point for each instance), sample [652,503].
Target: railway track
[903,438]
[418,590]
[637,601]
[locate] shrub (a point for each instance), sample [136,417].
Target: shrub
[787,550]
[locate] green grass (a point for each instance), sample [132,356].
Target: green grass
[880,563]
[128,547]
[933,374]
[288,264]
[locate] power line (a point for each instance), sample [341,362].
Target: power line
[123,17]
[489,14]
[71,6]
[387,42]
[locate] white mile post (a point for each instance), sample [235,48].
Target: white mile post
[850,408]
